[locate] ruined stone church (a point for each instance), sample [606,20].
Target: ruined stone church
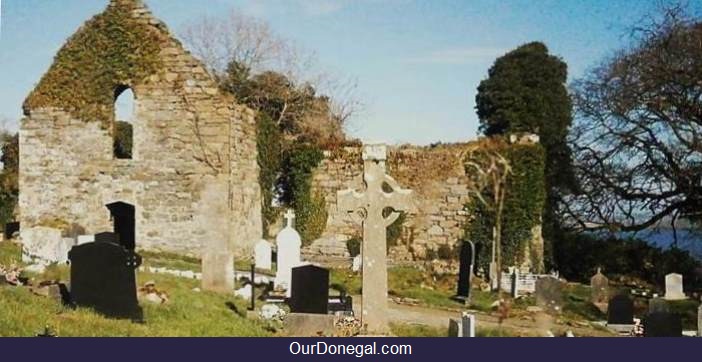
[192,180]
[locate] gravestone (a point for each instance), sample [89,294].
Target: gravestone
[662,324]
[84,239]
[658,305]
[674,287]
[289,243]
[620,310]
[103,278]
[309,290]
[44,245]
[465,271]
[699,321]
[10,229]
[599,285]
[262,254]
[463,327]
[107,237]
[382,192]
[357,263]
[549,292]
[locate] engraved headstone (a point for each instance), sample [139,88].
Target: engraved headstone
[262,254]
[103,278]
[674,287]
[382,192]
[289,243]
[309,290]
[699,321]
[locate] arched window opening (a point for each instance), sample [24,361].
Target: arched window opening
[124,120]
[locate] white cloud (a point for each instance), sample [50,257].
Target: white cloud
[457,55]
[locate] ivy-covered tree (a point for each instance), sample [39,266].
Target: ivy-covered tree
[526,92]
[288,141]
[9,187]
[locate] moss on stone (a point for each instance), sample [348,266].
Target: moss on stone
[111,51]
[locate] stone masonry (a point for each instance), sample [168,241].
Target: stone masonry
[188,139]
[438,178]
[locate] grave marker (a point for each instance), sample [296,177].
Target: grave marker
[620,310]
[310,290]
[674,287]
[103,278]
[263,254]
[371,203]
[289,243]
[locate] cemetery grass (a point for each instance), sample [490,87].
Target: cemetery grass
[407,282]
[421,330]
[188,313]
[184,263]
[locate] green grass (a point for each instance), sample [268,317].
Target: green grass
[188,313]
[421,330]
[687,309]
[577,305]
[417,330]
[403,282]
[9,253]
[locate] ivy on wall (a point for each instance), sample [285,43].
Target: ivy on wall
[268,143]
[299,162]
[523,206]
[111,51]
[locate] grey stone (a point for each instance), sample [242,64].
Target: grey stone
[308,325]
[374,200]
[599,285]
[263,252]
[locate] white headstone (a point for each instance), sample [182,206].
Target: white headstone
[289,243]
[45,245]
[674,287]
[262,254]
[357,263]
[84,239]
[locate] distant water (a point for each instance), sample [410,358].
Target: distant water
[687,240]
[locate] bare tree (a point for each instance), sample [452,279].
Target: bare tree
[489,171]
[638,133]
[253,46]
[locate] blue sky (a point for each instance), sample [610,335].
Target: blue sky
[417,63]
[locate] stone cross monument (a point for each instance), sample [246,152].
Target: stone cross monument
[381,192]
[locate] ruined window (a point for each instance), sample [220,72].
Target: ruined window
[124,118]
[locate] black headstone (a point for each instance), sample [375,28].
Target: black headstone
[620,310]
[123,220]
[309,291]
[464,272]
[107,237]
[10,229]
[662,324]
[103,278]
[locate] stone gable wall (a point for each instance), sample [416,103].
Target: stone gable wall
[186,135]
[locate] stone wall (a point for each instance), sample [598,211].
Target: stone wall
[438,177]
[435,174]
[187,135]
